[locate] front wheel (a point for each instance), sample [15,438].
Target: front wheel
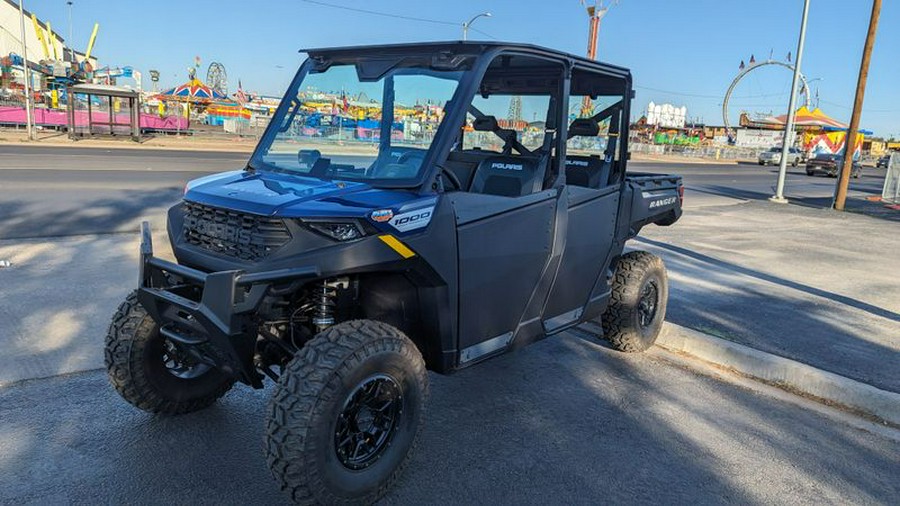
[346,414]
[150,372]
[637,306]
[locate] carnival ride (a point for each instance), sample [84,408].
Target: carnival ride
[820,132]
[754,66]
[216,78]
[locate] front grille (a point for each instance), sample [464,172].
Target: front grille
[239,235]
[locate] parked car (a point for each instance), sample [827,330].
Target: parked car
[883,162]
[830,165]
[339,279]
[773,157]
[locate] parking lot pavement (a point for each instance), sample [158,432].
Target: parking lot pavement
[57,298]
[565,421]
[808,284]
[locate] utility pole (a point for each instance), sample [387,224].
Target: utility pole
[792,105]
[850,140]
[29,111]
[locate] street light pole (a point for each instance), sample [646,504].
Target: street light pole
[29,111]
[71,42]
[792,104]
[852,132]
[468,23]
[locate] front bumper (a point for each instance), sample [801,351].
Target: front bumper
[210,315]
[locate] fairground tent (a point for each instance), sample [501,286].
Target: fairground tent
[193,91]
[805,118]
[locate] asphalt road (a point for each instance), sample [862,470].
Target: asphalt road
[565,421]
[63,191]
[52,191]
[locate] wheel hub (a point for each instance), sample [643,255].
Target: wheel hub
[181,365]
[368,421]
[648,304]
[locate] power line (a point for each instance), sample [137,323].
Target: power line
[384,14]
[395,16]
[482,32]
[696,95]
[842,106]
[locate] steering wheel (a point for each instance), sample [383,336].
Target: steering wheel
[411,156]
[452,178]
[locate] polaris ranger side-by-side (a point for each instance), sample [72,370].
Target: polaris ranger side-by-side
[409,207]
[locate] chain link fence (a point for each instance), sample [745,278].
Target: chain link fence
[710,152]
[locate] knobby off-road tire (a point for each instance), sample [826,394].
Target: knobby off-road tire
[322,401]
[137,369]
[637,306]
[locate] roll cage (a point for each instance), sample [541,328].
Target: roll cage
[570,74]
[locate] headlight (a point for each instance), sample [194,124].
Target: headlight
[337,230]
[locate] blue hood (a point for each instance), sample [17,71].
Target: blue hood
[292,196]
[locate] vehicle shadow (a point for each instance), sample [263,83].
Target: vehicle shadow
[21,219]
[565,421]
[818,292]
[853,204]
[827,330]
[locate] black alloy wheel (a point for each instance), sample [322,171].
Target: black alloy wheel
[648,303]
[368,421]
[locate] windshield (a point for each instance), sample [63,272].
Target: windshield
[337,125]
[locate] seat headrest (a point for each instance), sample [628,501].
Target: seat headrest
[508,164]
[509,176]
[486,124]
[592,162]
[584,127]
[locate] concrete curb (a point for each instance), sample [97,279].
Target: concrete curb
[784,373]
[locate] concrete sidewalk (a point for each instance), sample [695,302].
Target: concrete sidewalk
[812,285]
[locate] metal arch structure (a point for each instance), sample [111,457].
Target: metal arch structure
[746,71]
[216,78]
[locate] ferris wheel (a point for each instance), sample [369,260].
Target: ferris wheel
[216,78]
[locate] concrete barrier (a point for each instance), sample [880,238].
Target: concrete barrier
[785,373]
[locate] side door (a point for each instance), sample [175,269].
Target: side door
[504,250]
[593,181]
[506,238]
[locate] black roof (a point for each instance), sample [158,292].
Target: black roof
[462,48]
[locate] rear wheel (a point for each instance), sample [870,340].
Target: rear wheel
[150,372]
[637,306]
[346,414]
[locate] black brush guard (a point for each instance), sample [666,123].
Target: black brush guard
[219,329]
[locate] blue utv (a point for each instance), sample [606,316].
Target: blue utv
[341,266]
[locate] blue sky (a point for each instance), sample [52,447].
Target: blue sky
[684,52]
